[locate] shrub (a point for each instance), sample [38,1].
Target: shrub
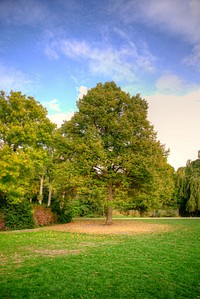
[84,208]
[166,213]
[16,216]
[64,215]
[43,216]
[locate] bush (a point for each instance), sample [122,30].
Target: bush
[43,216]
[84,208]
[16,216]
[165,213]
[64,215]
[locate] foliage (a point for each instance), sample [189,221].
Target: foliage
[167,212]
[158,195]
[112,145]
[82,207]
[16,169]
[25,142]
[188,188]
[63,214]
[23,122]
[65,181]
[43,216]
[17,216]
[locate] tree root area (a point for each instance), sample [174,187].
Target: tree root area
[118,227]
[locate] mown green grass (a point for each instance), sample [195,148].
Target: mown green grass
[51,264]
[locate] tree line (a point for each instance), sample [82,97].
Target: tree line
[107,156]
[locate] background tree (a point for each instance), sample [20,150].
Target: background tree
[25,139]
[23,122]
[158,193]
[16,169]
[112,142]
[188,188]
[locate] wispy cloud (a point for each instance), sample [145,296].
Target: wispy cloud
[11,78]
[177,17]
[193,59]
[118,63]
[53,105]
[23,12]
[51,51]
[170,84]
[55,113]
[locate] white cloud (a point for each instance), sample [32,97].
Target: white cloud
[58,118]
[75,48]
[50,52]
[120,64]
[82,91]
[23,12]
[179,17]
[176,119]
[193,59]
[53,105]
[55,113]
[172,84]
[11,78]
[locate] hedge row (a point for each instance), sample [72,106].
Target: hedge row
[25,215]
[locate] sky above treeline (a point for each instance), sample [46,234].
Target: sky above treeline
[55,50]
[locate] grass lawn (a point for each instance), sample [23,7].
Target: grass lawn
[56,264]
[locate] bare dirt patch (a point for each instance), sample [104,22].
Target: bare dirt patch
[118,227]
[56,252]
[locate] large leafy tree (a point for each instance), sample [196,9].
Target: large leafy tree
[112,143]
[25,144]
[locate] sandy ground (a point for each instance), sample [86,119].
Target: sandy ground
[118,227]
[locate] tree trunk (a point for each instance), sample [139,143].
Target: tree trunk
[49,197]
[62,201]
[41,189]
[109,207]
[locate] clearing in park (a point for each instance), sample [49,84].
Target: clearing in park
[146,258]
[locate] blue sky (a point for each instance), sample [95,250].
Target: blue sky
[55,50]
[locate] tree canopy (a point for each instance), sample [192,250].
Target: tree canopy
[23,122]
[25,140]
[112,144]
